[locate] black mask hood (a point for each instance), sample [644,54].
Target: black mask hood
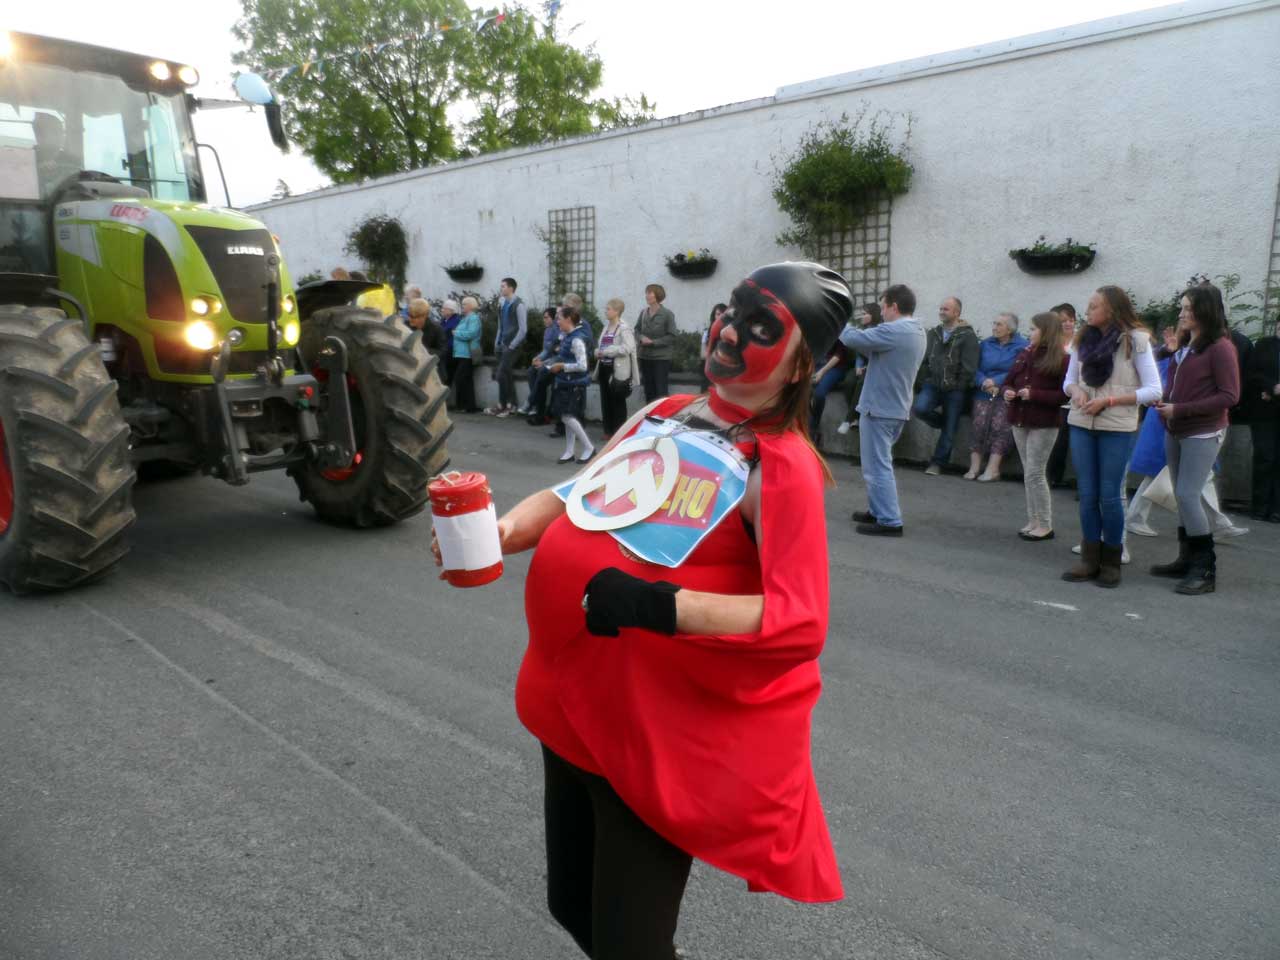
[817,297]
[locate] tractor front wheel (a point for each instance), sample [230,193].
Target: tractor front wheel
[65,475]
[397,409]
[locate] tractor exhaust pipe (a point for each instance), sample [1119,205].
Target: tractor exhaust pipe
[273,306]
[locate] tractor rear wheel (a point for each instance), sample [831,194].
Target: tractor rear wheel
[398,410]
[65,475]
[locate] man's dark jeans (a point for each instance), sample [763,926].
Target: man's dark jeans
[941,410]
[506,378]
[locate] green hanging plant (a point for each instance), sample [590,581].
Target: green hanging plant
[837,173]
[380,243]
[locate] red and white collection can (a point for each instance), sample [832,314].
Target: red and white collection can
[466,525]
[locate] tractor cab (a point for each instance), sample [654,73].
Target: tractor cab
[78,121]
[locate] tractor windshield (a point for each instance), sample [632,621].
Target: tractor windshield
[56,121]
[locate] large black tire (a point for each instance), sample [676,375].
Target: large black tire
[398,405]
[67,450]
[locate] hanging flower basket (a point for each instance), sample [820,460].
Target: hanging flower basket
[692,263]
[466,272]
[1043,258]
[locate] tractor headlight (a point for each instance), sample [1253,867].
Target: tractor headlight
[160,71]
[287,304]
[206,306]
[189,75]
[200,335]
[291,333]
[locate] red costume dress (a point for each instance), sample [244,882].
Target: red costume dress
[705,738]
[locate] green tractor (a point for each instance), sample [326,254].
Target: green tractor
[142,328]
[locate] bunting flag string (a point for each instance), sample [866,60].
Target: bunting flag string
[315,66]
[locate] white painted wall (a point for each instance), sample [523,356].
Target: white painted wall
[1161,145]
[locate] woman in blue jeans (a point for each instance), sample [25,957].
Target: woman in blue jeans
[1112,372]
[826,379]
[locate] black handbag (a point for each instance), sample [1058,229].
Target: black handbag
[620,389]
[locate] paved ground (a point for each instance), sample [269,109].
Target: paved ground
[265,737]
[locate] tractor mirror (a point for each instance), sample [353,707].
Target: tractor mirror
[275,123]
[253,89]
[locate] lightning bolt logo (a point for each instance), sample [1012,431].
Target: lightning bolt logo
[614,474]
[620,480]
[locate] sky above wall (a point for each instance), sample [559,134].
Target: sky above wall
[684,54]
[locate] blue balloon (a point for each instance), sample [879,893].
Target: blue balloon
[252,88]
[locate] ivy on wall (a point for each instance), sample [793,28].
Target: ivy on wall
[380,243]
[840,171]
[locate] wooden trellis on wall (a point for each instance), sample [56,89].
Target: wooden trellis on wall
[861,253]
[571,252]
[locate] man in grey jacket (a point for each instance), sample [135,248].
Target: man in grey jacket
[950,362]
[513,324]
[893,350]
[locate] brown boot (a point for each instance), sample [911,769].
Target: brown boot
[1087,568]
[1109,566]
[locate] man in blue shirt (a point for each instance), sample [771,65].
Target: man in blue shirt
[540,378]
[893,350]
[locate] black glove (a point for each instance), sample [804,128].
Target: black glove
[615,599]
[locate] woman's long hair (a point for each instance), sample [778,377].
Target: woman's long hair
[874,310]
[788,411]
[1053,343]
[1122,313]
[1209,312]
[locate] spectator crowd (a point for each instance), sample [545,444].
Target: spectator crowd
[1102,390]
[1103,393]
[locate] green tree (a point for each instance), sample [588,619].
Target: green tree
[528,86]
[365,109]
[361,112]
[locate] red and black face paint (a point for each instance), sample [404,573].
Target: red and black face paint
[761,328]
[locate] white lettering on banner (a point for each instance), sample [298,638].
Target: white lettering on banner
[613,472]
[469,541]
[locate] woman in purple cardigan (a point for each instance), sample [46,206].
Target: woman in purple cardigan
[1033,393]
[1204,383]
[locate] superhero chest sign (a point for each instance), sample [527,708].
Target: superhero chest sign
[660,492]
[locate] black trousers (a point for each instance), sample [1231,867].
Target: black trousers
[1266,466]
[612,882]
[613,409]
[464,388]
[1057,468]
[540,381]
[653,376]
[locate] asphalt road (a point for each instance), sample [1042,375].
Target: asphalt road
[269,738]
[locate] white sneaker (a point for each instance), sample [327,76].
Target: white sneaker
[1229,531]
[1140,528]
[1076,549]
[844,428]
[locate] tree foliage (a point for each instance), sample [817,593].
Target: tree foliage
[367,112]
[528,87]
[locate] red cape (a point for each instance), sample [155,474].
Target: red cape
[706,738]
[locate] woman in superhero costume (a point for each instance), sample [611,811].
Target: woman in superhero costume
[673,698]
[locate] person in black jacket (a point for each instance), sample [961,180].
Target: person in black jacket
[1262,390]
[420,319]
[1244,347]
